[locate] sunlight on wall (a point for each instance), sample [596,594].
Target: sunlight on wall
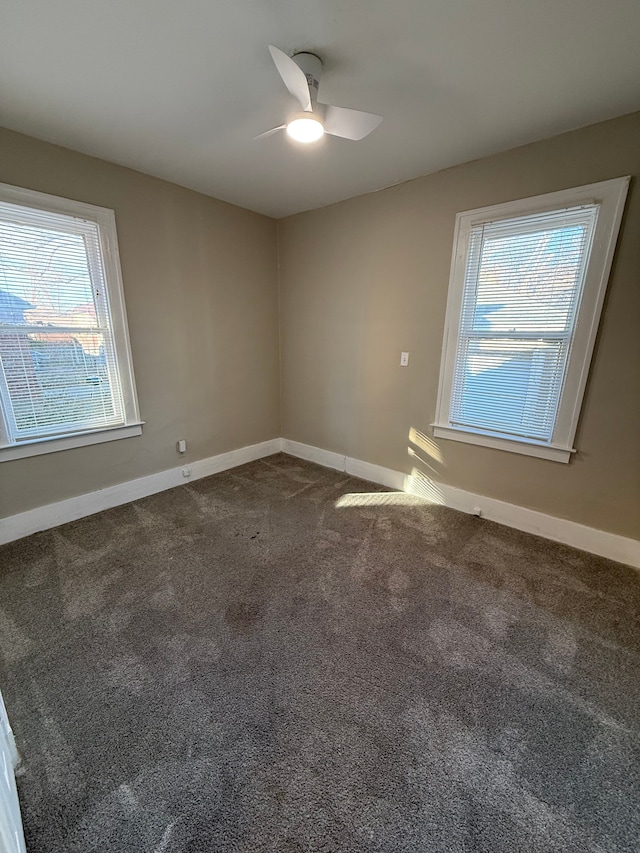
[426,444]
[418,459]
[419,482]
[418,487]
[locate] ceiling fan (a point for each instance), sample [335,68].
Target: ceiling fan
[301,75]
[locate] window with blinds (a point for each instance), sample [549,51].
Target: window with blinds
[64,366]
[522,289]
[524,302]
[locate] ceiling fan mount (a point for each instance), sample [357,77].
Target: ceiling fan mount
[301,74]
[311,66]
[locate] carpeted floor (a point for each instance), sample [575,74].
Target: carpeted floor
[255,662]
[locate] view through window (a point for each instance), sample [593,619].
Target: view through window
[61,370]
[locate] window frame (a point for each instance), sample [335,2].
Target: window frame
[106,222]
[610,195]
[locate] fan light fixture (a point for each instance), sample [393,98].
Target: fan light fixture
[301,75]
[305,128]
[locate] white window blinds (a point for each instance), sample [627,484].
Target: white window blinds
[59,373]
[523,283]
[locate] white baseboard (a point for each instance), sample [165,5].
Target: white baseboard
[326,458]
[610,545]
[51,515]
[599,542]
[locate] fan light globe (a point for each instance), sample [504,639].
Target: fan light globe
[305,128]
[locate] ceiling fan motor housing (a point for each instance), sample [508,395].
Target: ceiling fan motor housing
[311,65]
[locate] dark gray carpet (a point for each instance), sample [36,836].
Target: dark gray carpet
[241,665]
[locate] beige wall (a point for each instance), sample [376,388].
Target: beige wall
[359,282]
[200,281]
[364,279]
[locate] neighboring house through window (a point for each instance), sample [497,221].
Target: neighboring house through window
[66,377]
[528,280]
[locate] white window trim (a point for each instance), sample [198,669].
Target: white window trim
[38,446]
[106,221]
[611,196]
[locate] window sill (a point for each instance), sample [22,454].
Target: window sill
[39,446]
[528,448]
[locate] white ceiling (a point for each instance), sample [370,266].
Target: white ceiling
[178,88]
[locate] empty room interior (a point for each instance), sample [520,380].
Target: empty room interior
[319,426]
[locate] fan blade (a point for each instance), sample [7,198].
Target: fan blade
[349,124]
[269,132]
[293,77]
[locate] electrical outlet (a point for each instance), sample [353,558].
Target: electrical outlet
[404,359]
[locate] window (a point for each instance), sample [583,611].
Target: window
[528,280]
[66,377]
